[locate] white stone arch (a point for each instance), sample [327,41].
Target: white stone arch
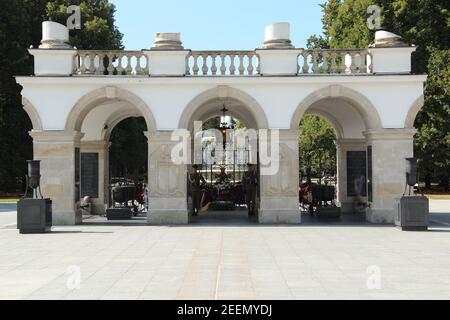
[413,111]
[115,119]
[91,100]
[32,114]
[250,110]
[338,129]
[365,108]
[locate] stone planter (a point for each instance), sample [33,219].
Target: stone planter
[34,215]
[411,213]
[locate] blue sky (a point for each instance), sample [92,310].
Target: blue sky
[212,24]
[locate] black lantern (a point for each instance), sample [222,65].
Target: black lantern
[34,178]
[224,126]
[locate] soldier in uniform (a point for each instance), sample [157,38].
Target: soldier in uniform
[250,182]
[196,181]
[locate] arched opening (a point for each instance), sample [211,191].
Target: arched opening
[128,160]
[334,156]
[225,155]
[113,152]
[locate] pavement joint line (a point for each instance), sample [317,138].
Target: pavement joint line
[440,222]
[219,267]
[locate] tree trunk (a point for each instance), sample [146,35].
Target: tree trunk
[428,181]
[445,182]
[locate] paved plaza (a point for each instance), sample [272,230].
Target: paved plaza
[226,261]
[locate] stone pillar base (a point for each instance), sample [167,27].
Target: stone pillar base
[276,216]
[168,217]
[67,218]
[380,216]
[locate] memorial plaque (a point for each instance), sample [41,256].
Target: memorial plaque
[369,173]
[77,174]
[89,175]
[356,173]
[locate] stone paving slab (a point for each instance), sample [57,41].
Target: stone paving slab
[206,262]
[226,262]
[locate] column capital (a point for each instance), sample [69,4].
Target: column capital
[162,136]
[289,134]
[57,136]
[350,142]
[95,145]
[390,134]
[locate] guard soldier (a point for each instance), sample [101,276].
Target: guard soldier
[250,181]
[196,180]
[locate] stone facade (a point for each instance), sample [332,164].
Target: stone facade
[167,182]
[390,148]
[270,88]
[57,152]
[279,201]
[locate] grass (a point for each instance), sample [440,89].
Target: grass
[9,200]
[438,196]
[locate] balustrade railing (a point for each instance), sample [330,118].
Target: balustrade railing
[335,61]
[111,63]
[222,63]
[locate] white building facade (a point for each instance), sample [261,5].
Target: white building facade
[76,98]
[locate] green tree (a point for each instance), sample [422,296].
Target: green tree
[98,30]
[317,149]
[425,23]
[129,149]
[433,138]
[20,27]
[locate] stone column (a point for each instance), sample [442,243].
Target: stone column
[343,146]
[101,148]
[390,147]
[279,202]
[57,151]
[167,182]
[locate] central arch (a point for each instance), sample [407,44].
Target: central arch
[248,110]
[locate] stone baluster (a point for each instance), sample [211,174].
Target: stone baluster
[83,63]
[232,66]
[258,64]
[119,68]
[129,68]
[305,62]
[205,64]
[213,65]
[324,68]
[342,65]
[315,66]
[195,69]
[362,68]
[92,68]
[334,68]
[353,66]
[188,67]
[250,68]
[139,68]
[101,64]
[223,68]
[110,67]
[241,64]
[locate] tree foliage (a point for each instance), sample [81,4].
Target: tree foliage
[425,23]
[317,146]
[129,149]
[20,27]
